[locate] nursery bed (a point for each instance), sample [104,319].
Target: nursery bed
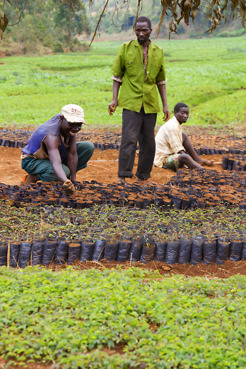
[167,191]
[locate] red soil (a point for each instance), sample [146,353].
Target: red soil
[102,167]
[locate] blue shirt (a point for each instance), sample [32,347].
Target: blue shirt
[36,146]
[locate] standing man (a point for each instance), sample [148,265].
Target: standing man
[138,72]
[173,147]
[52,153]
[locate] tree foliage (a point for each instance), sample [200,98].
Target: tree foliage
[62,18]
[217,11]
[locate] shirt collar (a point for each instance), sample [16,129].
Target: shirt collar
[176,120]
[136,43]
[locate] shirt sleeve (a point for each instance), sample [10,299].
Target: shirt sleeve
[175,141]
[161,76]
[118,68]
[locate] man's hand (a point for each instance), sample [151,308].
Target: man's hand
[166,114]
[68,187]
[112,107]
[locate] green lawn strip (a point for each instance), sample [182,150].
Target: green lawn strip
[38,107]
[198,71]
[211,112]
[70,317]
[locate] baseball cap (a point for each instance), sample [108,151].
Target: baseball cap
[73,113]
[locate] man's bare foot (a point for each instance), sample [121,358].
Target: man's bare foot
[29,178]
[140,180]
[121,180]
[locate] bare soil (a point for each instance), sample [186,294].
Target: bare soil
[212,271]
[102,167]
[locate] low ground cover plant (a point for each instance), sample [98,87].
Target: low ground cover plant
[121,319]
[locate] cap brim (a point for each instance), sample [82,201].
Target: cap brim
[72,119]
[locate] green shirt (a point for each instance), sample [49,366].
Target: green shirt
[138,85]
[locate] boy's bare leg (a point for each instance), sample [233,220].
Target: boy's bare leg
[191,151]
[187,160]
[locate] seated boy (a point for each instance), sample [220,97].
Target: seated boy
[173,147]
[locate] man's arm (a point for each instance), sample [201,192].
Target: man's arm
[72,159]
[113,105]
[163,94]
[52,144]
[118,70]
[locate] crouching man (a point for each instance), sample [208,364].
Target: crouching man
[52,153]
[173,147]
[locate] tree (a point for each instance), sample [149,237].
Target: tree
[71,19]
[217,11]
[68,16]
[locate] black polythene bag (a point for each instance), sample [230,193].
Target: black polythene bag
[110,252]
[148,253]
[86,251]
[49,251]
[61,253]
[185,245]
[244,250]
[209,251]
[124,250]
[160,250]
[14,254]
[25,254]
[136,250]
[3,253]
[37,251]
[236,250]
[98,251]
[176,202]
[74,250]
[172,252]
[196,250]
[223,247]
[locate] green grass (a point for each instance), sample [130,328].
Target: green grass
[207,74]
[156,321]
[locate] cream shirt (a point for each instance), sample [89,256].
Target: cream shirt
[168,141]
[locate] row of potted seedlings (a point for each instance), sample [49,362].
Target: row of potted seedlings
[203,233]
[194,250]
[234,162]
[188,189]
[211,145]
[102,141]
[210,188]
[111,140]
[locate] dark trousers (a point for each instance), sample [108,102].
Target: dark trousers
[44,168]
[137,126]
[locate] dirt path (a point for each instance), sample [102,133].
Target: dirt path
[102,167]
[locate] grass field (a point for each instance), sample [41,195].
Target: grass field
[207,74]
